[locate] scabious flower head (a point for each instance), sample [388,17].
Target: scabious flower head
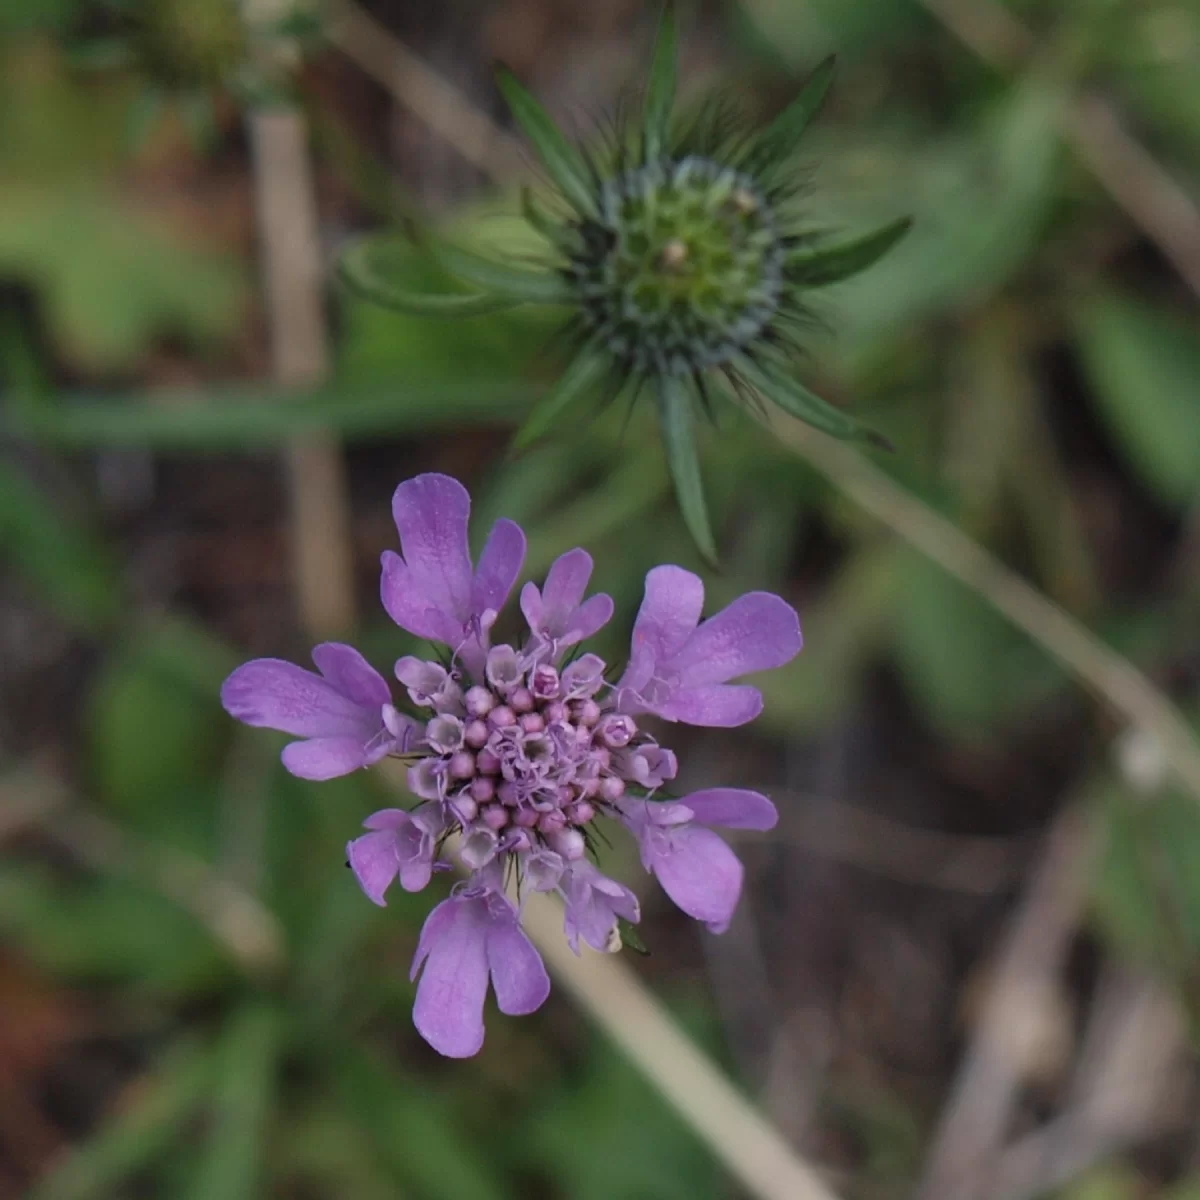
[685,259]
[523,749]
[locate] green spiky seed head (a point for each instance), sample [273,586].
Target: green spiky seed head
[193,42]
[683,266]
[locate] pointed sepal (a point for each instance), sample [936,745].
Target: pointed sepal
[797,401]
[563,162]
[369,270]
[832,264]
[779,140]
[576,382]
[517,284]
[630,937]
[676,414]
[660,86]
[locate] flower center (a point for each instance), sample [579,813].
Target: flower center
[684,267]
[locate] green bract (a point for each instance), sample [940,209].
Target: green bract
[682,259]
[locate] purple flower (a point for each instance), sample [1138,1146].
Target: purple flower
[521,749]
[594,902]
[679,668]
[400,844]
[345,714]
[432,591]
[559,613]
[473,936]
[695,867]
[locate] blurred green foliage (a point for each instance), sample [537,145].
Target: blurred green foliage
[286,1065]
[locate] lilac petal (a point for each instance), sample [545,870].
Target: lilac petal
[387,818]
[324,757]
[431,514]
[280,695]
[566,581]
[583,677]
[593,904]
[532,608]
[721,706]
[701,874]
[592,615]
[448,1012]
[518,973]
[669,613]
[407,603]
[375,860]
[754,633]
[733,808]
[351,674]
[499,566]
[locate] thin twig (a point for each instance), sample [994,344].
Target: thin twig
[1092,127]
[424,92]
[1109,676]
[293,274]
[977,1114]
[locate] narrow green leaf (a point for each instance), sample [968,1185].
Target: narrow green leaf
[676,414]
[816,268]
[660,87]
[515,284]
[231,1165]
[795,399]
[135,1135]
[562,161]
[364,270]
[630,937]
[553,231]
[588,368]
[779,140]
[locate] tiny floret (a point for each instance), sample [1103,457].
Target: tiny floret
[522,750]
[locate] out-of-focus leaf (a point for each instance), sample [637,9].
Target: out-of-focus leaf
[156,732]
[232,1163]
[968,666]
[113,281]
[1144,366]
[61,559]
[412,1129]
[135,1135]
[978,205]
[108,929]
[233,418]
[636,1145]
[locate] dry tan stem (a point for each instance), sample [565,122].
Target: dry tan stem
[752,1150]
[1112,678]
[293,276]
[977,1114]
[421,90]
